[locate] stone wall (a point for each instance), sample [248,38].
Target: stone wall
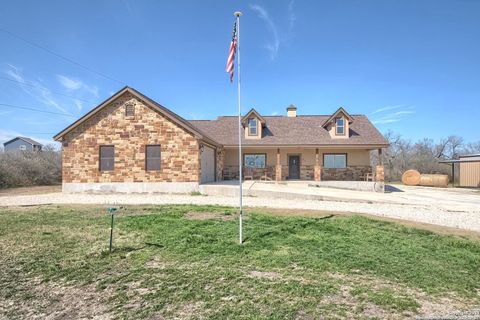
[180,157]
[351,173]
[220,164]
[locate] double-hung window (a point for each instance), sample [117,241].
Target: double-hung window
[340,126]
[335,161]
[152,157]
[252,127]
[107,158]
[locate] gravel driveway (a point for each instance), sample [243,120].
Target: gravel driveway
[468,219]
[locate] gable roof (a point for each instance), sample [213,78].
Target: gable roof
[175,118]
[335,115]
[27,140]
[294,131]
[255,113]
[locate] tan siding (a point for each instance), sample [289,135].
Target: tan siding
[470,174]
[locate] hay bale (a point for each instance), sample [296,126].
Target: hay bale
[411,178]
[434,180]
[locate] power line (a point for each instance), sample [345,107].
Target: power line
[36,110]
[61,56]
[40,87]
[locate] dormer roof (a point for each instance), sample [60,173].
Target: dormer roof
[254,113]
[336,114]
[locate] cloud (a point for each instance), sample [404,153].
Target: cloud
[389,108]
[392,117]
[274,44]
[275,113]
[291,16]
[72,84]
[38,91]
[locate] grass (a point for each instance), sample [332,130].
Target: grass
[185,262]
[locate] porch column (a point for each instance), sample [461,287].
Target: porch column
[380,173]
[278,167]
[318,167]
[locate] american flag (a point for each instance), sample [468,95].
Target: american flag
[231,53]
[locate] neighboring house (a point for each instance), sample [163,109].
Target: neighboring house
[130,143]
[22,143]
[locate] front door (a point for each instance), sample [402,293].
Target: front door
[294,167]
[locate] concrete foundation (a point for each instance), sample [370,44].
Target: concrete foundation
[131,187]
[351,185]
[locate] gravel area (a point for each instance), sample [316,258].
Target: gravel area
[462,219]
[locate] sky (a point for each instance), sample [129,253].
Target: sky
[412,67]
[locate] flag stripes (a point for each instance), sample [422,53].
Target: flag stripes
[231,53]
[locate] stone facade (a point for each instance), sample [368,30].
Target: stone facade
[220,163]
[351,173]
[180,156]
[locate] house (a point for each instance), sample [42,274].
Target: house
[130,143]
[22,143]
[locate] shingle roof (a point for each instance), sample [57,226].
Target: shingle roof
[28,140]
[300,130]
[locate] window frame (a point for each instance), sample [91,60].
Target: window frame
[100,158]
[130,106]
[159,158]
[342,126]
[335,154]
[255,154]
[250,127]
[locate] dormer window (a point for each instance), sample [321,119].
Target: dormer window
[252,127]
[340,126]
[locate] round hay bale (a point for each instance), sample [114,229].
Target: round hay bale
[411,178]
[434,180]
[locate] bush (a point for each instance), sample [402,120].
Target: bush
[28,168]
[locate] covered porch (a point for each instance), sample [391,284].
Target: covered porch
[300,163]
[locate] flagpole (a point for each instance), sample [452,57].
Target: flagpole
[240,162]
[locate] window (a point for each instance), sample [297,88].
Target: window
[254,160]
[340,126]
[129,110]
[336,161]
[152,157]
[107,158]
[23,147]
[252,126]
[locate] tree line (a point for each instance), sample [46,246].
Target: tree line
[422,155]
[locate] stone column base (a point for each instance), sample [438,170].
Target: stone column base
[318,173]
[278,172]
[380,174]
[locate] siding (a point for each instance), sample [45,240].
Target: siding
[470,173]
[15,145]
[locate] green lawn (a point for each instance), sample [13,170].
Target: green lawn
[185,262]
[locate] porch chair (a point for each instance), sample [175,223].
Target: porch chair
[368,176]
[267,175]
[248,173]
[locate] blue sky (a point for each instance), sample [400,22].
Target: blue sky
[411,66]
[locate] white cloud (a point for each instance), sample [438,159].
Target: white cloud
[38,91]
[274,44]
[72,84]
[392,117]
[389,108]
[275,113]
[291,16]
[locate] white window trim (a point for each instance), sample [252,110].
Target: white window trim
[250,127]
[342,126]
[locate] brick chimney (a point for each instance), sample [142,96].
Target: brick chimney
[291,111]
